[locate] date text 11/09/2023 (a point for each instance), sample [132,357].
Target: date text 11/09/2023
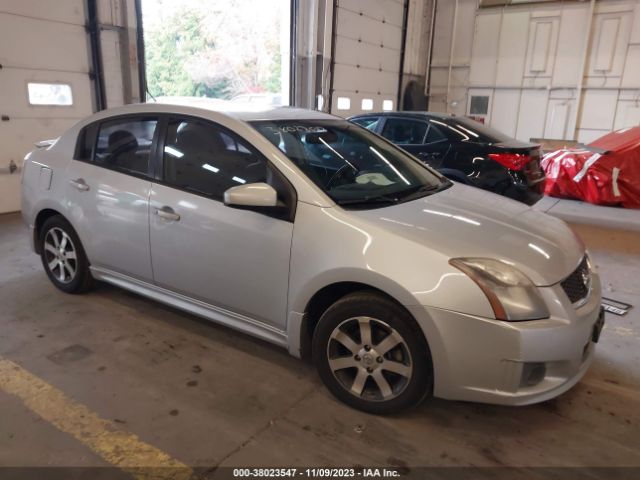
[316,473]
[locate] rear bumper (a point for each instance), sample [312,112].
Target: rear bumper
[528,194]
[511,363]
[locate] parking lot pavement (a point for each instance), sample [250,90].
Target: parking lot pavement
[206,396]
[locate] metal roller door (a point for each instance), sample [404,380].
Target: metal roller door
[367,55]
[47,56]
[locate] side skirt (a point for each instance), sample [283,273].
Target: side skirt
[196,307]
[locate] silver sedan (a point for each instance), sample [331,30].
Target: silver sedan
[317,235]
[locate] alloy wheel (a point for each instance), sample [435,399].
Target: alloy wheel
[60,255]
[369,359]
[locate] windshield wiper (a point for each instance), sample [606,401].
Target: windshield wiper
[423,190]
[368,200]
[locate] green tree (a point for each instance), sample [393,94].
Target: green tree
[170,49]
[213,48]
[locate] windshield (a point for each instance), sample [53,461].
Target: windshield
[350,164]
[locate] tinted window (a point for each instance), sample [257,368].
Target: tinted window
[85,143]
[126,144]
[369,123]
[207,159]
[404,131]
[465,129]
[434,135]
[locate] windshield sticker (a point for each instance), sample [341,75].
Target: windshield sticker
[295,128]
[375,178]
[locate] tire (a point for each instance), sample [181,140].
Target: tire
[63,256]
[355,372]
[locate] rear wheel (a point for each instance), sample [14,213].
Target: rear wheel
[371,354]
[63,257]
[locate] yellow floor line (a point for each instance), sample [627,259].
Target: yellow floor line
[121,449]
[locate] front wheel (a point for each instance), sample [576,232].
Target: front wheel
[63,257]
[371,355]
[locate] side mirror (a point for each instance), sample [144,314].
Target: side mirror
[251,195]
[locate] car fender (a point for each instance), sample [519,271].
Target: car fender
[41,205]
[361,279]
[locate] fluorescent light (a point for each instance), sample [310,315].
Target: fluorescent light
[466,220]
[213,169]
[460,218]
[539,250]
[173,152]
[334,151]
[390,165]
[466,130]
[239,180]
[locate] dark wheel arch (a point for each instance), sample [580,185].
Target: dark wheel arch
[41,218]
[327,296]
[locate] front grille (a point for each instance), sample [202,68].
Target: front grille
[578,284]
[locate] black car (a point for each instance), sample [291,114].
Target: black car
[464,151]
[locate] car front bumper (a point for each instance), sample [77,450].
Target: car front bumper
[32,239]
[512,363]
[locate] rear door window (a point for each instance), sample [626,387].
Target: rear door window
[404,131]
[370,123]
[85,143]
[434,135]
[125,144]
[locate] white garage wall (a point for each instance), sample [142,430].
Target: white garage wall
[367,52]
[46,42]
[531,61]
[38,45]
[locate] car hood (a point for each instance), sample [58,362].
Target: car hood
[464,221]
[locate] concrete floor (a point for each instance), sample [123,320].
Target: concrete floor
[208,396]
[583,213]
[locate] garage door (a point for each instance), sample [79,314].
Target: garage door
[367,52]
[44,80]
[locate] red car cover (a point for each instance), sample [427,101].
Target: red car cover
[605,172]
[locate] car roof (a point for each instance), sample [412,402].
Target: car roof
[442,116]
[246,112]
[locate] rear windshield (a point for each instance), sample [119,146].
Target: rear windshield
[469,130]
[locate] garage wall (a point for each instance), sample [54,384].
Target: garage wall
[46,42]
[561,70]
[38,46]
[119,51]
[367,51]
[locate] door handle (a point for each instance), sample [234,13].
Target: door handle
[80,184]
[167,213]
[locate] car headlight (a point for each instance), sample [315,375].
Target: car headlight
[510,293]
